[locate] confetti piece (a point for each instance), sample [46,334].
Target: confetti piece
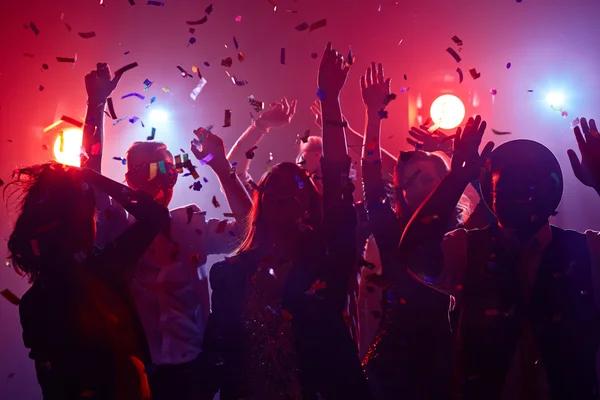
[215,202]
[241,57]
[196,91]
[155,3]
[238,18]
[229,215]
[530,91]
[209,9]
[152,134]
[314,55]
[126,68]
[45,66]
[44,147]
[250,153]
[302,27]
[134,119]
[41,88]
[166,89]
[493,92]
[257,105]
[237,82]
[270,157]
[192,30]
[460,75]
[474,73]
[119,120]
[191,41]
[132,2]
[72,121]
[184,73]
[206,64]
[350,60]
[111,108]
[52,126]
[235,43]
[319,24]
[152,100]
[405,78]
[133,94]
[199,22]
[65,60]
[34,28]
[11,297]
[564,114]
[147,84]
[497,132]
[404,89]
[127,52]
[227,62]
[575,122]
[227,122]
[87,35]
[456,40]
[282,56]
[508,65]
[320,94]
[454,54]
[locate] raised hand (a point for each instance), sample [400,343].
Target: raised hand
[99,85]
[434,141]
[466,160]
[315,109]
[375,88]
[588,169]
[332,72]
[280,114]
[209,148]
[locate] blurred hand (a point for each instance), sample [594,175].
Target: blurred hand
[278,115]
[332,73]
[375,88]
[588,169]
[99,85]
[315,109]
[209,147]
[466,160]
[434,141]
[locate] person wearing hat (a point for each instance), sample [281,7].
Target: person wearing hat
[528,292]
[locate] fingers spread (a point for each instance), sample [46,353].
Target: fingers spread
[363,83]
[412,142]
[292,110]
[580,139]
[380,73]
[576,165]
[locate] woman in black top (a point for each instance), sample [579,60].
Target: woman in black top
[77,318]
[277,323]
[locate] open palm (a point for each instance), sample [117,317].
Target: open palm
[588,169]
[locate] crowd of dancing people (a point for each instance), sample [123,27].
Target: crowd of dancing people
[447,283]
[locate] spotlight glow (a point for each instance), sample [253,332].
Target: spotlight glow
[158,116]
[447,111]
[71,147]
[555,99]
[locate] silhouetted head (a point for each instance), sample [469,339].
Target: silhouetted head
[285,202]
[522,185]
[56,218]
[309,157]
[151,169]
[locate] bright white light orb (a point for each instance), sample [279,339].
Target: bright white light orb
[158,116]
[447,111]
[555,99]
[71,147]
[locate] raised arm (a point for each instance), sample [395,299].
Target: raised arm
[213,150]
[99,86]
[278,115]
[420,248]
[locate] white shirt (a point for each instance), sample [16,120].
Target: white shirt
[171,287]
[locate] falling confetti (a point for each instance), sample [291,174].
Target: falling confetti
[457,40]
[155,3]
[235,43]
[227,122]
[493,92]
[238,18]
[454,54]
[87,35]
[111,108]
[497,132]
[192,31]
[314,55]
[72,121]
[209,9]
[575,122]
[34,29]
[257,105]
[215,202]
[302,27]
[460,75]
[41,88]
[564,114]
[45,66]
[152,133]
[191,41]
[508,65]
[282,56]
[474,73]
[65,60]
[199,22]
[139,96]
[198,88]
[319,24]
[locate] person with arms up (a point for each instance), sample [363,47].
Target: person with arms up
[170,283]
[411,354]
[78,319]
[277,322]
[528,291]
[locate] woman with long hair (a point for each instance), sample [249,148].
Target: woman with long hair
[411,355]
[277,307]
[77,318]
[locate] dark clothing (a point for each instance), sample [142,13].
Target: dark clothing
[324,353]
[561,312]
[186,381]
[411,356]
[82,327]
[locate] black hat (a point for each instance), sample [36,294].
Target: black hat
[536,161]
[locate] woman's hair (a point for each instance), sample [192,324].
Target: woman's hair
[312,144]
[441,164]
[143,149]
[255,228]
[49,197]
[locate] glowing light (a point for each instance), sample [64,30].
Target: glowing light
[71,147]
[447,111]
[158,116]
[555,99]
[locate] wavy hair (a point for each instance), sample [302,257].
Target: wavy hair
[48,197]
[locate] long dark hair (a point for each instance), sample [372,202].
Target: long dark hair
[255,226]
[441,164]
[48,197]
